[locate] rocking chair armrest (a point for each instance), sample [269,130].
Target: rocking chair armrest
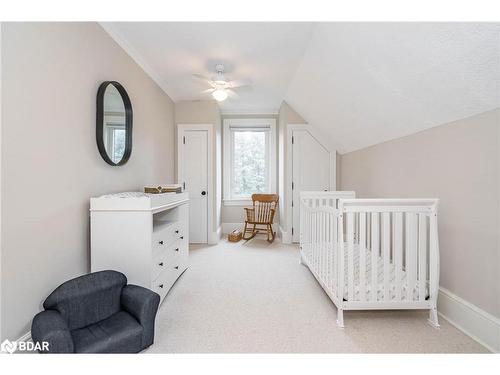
[273,211]
[250,213]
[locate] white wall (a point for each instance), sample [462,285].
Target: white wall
[50,162]
[458,163]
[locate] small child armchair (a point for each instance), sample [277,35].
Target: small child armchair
[97,313]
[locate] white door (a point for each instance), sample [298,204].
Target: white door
[311,169]
[195,179]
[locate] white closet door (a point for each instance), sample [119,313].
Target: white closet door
[310,172]
[195,178]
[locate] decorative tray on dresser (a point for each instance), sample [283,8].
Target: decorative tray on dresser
[144,236]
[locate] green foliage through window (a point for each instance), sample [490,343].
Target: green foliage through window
[249,169]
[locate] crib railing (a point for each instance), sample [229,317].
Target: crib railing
[372,253]
[319,234]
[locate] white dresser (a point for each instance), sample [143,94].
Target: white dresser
[144,236]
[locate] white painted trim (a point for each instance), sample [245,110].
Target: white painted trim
[24,338]
[324,141]
[213,237]
[229,227]
[136,56]
[250,112]
[212,188]
[267,122]
[285,236]
[470,319]
[237,202]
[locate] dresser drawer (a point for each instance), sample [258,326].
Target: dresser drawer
[165,258]
[163,238]
[166,279]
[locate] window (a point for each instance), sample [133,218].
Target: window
[114,140]
[249,159]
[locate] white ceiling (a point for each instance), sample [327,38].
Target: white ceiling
[361,83]
[266,53]
[366,83]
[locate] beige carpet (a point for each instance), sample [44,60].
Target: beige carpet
[255,297]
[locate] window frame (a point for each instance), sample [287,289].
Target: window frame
[109,136]
[258,124]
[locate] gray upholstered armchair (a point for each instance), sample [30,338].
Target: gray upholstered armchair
[97,313]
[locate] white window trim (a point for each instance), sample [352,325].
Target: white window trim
[246,123]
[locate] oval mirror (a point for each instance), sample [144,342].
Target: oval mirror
[114,123]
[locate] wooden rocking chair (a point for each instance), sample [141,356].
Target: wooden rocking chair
[261,216]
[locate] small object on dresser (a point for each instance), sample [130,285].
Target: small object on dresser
[235,236]
[161,189]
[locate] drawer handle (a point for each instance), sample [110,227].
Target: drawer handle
[161,286]
[161,242]
[177,249]
[176,231]
[182,237]
[160,264]
[176,267]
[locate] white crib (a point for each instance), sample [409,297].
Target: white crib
[342,238]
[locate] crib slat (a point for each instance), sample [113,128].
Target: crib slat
[386,249]
[411,254]
[433,258]
[350,256]
[335,250]
[362,256]
[334,247]
[330,252]
[398,252]
[323,246]
[374,255]
[316,236]
[340,258]
[422,255]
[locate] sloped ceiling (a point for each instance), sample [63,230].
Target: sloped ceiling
[366,83]
[361,83]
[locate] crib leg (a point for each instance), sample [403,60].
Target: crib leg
[301,260]
[340,318]
[433,318]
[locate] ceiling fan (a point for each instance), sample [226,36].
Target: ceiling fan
[220,86]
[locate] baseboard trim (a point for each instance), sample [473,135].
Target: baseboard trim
[214,237]
[24,338]
[285,237]
[470,319]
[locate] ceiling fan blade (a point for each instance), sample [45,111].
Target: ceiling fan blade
[207,91]
[239,83]
[203,78]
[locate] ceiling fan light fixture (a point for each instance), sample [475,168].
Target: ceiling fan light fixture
[220,95]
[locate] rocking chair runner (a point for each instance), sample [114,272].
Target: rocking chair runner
[261,216]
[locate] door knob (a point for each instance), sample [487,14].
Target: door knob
[203,192]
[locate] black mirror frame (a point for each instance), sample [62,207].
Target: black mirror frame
[100,119]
